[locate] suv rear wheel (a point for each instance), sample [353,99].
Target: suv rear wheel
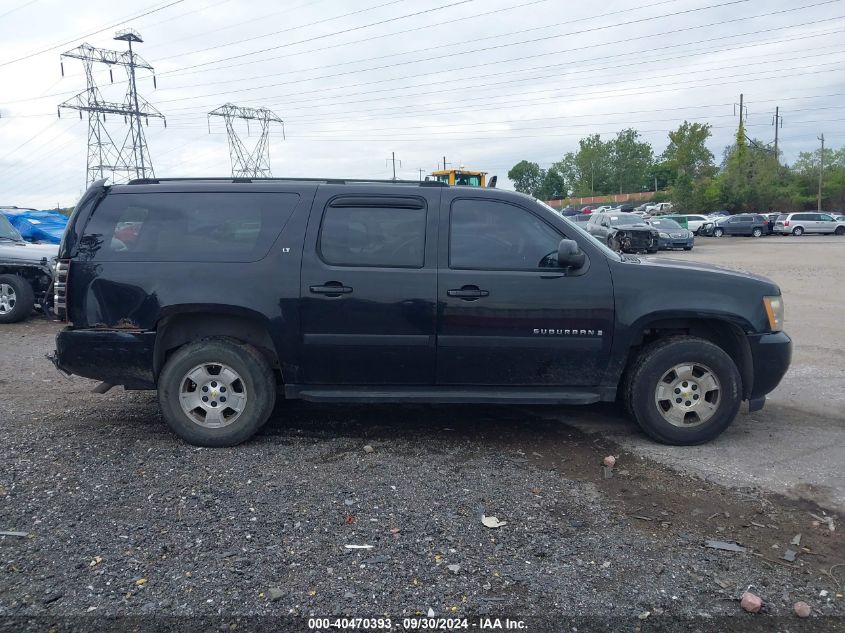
[756,232]
[216,392]
[16,298]
[683,390]
[798,231]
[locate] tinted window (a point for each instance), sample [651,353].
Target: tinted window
[487,234]
[802,216]
[381,236]
[236,227]
[826,217]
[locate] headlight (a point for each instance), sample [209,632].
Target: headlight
[774,311]
[665,236]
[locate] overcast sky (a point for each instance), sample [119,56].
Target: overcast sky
[485,83]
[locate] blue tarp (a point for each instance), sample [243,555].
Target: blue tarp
[37,226]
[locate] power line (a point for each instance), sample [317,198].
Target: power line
[439,47]
[521,94]
[18,8]
[485,49]
[483,64]
[81,37]
[349,30]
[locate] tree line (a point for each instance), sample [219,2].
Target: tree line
[749,177]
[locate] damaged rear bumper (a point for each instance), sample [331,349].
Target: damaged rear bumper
[114,357]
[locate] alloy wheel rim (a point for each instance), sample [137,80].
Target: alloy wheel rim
[688,395]
[8,298]
[212,395]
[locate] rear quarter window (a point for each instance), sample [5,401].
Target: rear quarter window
[186,227]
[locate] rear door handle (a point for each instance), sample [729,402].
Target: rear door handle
[468,293]
[331,289]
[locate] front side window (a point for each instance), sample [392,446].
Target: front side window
[493,235]
[379,237]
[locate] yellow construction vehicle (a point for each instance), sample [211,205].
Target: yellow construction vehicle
[461,176]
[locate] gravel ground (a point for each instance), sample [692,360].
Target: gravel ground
[123,520]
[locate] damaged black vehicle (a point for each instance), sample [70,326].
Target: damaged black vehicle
[624,232]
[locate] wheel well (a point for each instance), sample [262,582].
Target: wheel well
[175,331]
[725,335]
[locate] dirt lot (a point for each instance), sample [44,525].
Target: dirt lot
[122,520]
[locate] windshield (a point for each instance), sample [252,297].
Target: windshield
[666,224]
[7,231]
[579,230]
[625,220]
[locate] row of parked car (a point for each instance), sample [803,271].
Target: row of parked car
[633,229]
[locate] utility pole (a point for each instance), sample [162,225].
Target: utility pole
[246,163]
[444,163]
[422,171]
[131,159]
[778,123]
[821,172]
[393,160]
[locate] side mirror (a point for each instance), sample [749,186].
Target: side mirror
[569,255]
[492,182]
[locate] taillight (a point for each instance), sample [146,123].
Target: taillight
[786,222]
[60,289]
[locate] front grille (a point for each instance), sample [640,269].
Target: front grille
[60,289]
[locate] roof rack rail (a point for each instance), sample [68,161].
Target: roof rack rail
[329,181]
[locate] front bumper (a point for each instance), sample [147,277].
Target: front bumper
[771,355]
[673,242]
[113,356]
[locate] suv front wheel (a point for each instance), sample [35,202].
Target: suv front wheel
[683,390]
[216,392]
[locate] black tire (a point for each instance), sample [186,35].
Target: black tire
[258,380]
[718,232]
[798,231]
[651,365]
[757,233]
[687,248]
[24,300]
[652,251]
[840,230]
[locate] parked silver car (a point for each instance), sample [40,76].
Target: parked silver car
[808,222]
[26,273]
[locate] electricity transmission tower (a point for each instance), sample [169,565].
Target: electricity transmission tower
[131,158]
[246,163]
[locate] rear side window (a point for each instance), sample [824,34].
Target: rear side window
[376,236]
[186,227]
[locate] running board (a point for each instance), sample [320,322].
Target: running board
[442,395]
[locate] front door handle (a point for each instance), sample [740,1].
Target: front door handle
[331,289]
[468,293]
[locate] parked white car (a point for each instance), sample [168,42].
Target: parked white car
[807,222]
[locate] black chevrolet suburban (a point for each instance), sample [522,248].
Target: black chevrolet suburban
[222,293]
